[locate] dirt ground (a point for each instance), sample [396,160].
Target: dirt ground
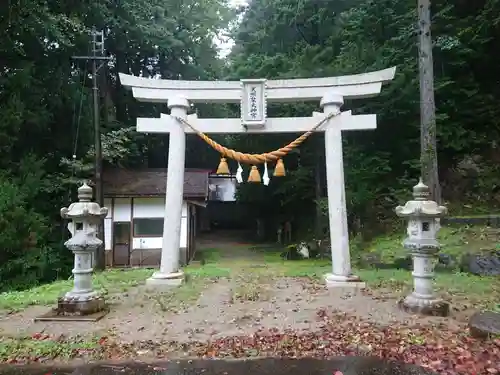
[282,303]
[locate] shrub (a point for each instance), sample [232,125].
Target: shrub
[23,232]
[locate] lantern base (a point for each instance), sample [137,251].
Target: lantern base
[412,304]
[338,281]
[54,316]
[89,309]
[79,307]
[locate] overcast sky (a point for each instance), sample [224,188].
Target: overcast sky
[225,44]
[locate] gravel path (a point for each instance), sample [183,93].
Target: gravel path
[222,309]
[288,304]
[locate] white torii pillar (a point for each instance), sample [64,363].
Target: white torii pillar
[337,211]
[170,273]
[253,96]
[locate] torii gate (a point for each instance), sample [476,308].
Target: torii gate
[253,96]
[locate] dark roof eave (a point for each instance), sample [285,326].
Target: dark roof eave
[151,183]
[159,195]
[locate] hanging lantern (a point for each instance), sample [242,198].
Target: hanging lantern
[279,170]
[223,168]
[254,175]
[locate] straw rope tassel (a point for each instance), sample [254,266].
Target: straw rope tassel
[254,175]
[223,168]
[279,170]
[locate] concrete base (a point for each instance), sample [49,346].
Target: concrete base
[428,307]
[54,316]
[71,306]
[337,281]
[165,280]
[73,310]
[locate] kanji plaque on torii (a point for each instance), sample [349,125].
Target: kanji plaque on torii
[253,103]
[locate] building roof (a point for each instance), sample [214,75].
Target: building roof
[118,182]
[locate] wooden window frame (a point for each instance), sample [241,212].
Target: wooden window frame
[134,234]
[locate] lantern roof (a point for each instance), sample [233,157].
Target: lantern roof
[84,208]
[421,205]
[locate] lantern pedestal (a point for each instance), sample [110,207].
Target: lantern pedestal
[422,300]
[82,299]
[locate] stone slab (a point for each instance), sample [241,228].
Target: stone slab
[54,316]
[484,264]
[159,280]
[335,281]
[484,324]
[332,281]
[346,284]
[164,282]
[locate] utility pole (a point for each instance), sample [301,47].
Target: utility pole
[428,146]
[97,57]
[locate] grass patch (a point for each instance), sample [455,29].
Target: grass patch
[454,242]
[209,255]
[266,263]
[178,299]
[313,268]
[208,270]
[111,281]
[482,292]
[250,287]
[471,210]
[108,282]
[198,278]
[28,349]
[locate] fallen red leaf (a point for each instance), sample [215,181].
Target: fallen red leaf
[445,350]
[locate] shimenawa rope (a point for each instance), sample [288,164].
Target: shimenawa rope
[255,159]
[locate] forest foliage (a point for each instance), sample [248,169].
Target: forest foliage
[46,129]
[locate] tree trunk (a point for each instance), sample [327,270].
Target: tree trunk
[428,150]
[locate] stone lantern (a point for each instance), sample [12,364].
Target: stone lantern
[84,217]
[423,225]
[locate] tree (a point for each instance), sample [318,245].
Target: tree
[428,144]
[299,39]
[45,106]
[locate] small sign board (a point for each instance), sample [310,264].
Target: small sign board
[253,102]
